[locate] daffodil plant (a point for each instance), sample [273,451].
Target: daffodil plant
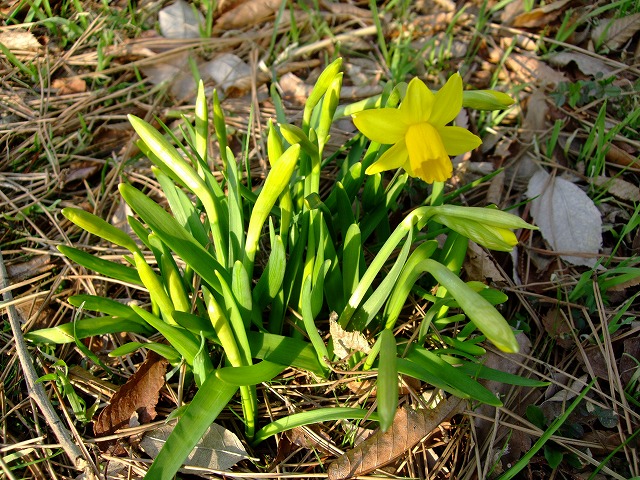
[241,281]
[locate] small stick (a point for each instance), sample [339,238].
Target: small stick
[36,390]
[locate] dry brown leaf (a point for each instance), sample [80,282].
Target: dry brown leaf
[529,69]
[31,268]
[621,157]
[616,32]
[180,20]
[139,395]
[619,188]
[541,16]
[628,363]
[556,326]
[247,14]
[586,63]
[480,265]
[345,342]
[408,428]
[69,85]
[20,41]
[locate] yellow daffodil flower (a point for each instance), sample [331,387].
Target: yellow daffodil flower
[422,141]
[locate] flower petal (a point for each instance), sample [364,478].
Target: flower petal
[458,140]
[448,101]
[393,158]
[382,125]
[418,102]
[428,158]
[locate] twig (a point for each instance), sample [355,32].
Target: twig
[36,390]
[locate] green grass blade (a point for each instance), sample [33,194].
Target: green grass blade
[166,351]
[212,396]
[175,236]
[104,267]
[285,351]
[252,375]
[313,416]
[387,382]
[557,423]
[87,327]
[309,323]
[100,228]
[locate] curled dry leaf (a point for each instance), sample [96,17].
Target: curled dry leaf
[619,188]
[587,64]
[408,428]
[139,395]
[20,41]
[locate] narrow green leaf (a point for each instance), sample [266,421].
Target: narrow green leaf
[277,179]
[104,267]
[387,379]
[154,285]
[212,396]
[96,303]
[285,351]
[100,228]
[410,274]
[195,324]
[87,327]
[164,350]
[271,279]
[174,236]
[310,417]
[451,375]
[251,375]
[179,338]
[309,322]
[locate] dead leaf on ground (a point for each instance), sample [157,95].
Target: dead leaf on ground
[568,219]
[481,266]
[139,395]
[70,85]
[556,326]
[225,70]
[345,342]
[247,14]
[587,64]
[218,449]
[20,41]
[33,267]
[628,359]
[618,188]
[541,16]
[616,32]
[408,428]
[180,20]
[529,69]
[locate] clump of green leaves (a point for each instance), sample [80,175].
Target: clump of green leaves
[225,266]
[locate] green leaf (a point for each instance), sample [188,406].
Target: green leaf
[179,338]
[310,417]
[104,267]
[387,379]
[87,327]
[105,305]
[451,375]
[410,274]
[477,370]
[194,323]
[175,236]
[374,303]
[212,396]
[167,351]
[100,228]
[285,351]
[271,279]
[277,179]
[234,205]
[251,375]
[309,323]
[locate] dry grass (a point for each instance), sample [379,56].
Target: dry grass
[70,145]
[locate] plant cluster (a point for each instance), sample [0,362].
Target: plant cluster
[241,279]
